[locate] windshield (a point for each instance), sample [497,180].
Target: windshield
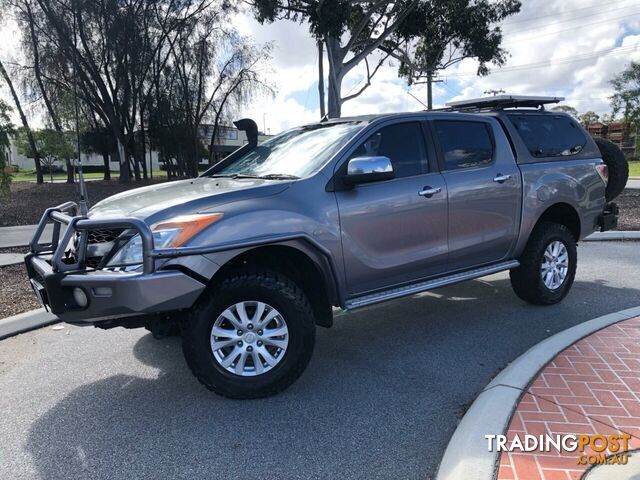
[295,153]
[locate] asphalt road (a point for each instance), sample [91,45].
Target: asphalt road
[380,399]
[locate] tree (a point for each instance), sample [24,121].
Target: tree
[127,60]
[626,97]
[25,124]
[566,109]
[6,132]
[111,62]
[210,73]
[351,31]
[51,145]
[32,47]
[101,142]
[608,118]
[589,118]
[445,33]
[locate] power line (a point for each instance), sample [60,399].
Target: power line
[555,14]
[550,63]
[555,32]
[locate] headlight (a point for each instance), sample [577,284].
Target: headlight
[167,234]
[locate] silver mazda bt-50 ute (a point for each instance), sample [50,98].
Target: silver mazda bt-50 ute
[251,256]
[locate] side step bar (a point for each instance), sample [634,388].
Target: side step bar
[425,285]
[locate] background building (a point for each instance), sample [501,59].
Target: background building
[229,139]
[619,133]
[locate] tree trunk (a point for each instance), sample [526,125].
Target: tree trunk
[125,173]
[69,166]
[429,90]
[336,75]
[25,124]
[107,169]
[334,107]
[143,150]
[143,162]
[136,168]
[321,79]
[212,143]
[45,95]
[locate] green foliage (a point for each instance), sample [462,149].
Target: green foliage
[589,118]
[626,98]
[441,33]
[129,57]
[52,146]
[99,141]
[6,132]
[566,109]
[423,35]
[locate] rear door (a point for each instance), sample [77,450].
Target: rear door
[484,188]
[392,231]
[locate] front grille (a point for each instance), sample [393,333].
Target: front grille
[104,235]
[37,277]
[99,242]
[93,262]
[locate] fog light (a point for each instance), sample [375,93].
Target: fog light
[80,297]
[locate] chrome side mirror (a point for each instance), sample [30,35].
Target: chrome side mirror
[368,169]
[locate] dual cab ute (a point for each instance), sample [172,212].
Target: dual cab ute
[251,256]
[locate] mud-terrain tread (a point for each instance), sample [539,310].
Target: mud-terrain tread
[617,165]
[278,284]
[526,281]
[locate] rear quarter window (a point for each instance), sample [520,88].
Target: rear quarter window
[549,135]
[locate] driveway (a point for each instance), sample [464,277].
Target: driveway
[380,399]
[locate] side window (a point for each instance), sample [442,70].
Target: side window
[402,143]
[549,135]
[464,144]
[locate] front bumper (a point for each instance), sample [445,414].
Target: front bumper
[109,294]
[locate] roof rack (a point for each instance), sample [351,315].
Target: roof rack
[502,101]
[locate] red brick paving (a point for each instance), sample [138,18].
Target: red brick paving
[592,387]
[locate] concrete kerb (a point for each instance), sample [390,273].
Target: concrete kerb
[467,456]
[24,322]
[614,235]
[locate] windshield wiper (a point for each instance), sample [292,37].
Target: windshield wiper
[269,176]
[234,175]
[279,176]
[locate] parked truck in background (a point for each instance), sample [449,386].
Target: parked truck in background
[254,254]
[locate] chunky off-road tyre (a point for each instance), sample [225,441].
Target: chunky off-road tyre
[616,164]
[547,265]
[251,336]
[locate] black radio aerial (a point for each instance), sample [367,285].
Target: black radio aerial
[84,208]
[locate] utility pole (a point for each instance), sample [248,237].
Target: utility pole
[494,92]
[430,81]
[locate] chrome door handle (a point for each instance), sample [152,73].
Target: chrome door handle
[501,178]
[429,192]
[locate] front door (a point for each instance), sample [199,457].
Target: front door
[394,231]
[484,189]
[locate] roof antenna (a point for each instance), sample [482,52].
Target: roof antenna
[83,188]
